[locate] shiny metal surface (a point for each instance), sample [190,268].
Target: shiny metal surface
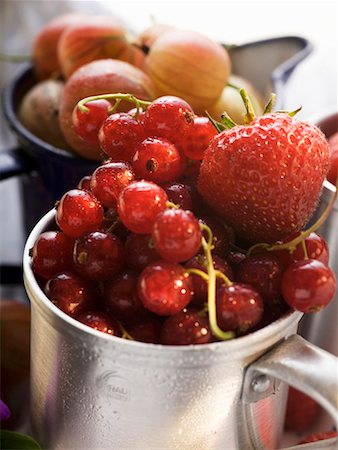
[91,390]
[295,362]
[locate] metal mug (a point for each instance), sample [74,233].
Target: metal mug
[321,329]
[91,390]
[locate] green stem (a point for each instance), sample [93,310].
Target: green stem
[228,122]
[218,125]
[209,233]
[198,272]
[269,105]
[216,330]
[234,86]
[172,205]
[112,227]
[290,113]
[116,105]
[306,256]
[118,97]
[226,280]
[125,334]
[250,113]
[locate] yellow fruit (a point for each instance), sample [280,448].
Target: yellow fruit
[230,101]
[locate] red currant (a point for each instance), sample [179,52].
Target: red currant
[100,321]
[200,285]
[71,293]
[88,123]
[185,328]
[119,135]
[177,235]
[138,115]
[140,251]
[113,224]
[169,117]
[145,327]
[98,255]
[109,179]
[139,204]
[316,248]
[164,288]
[308,285]
[234,258]
[84,183]
[179,194]
[264,273]
[52,253]
[198,139]
[239,308]
[121,296]
[222,235]
[158,160]
[78,212]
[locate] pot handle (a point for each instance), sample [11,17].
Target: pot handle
[15,162]
[301,365]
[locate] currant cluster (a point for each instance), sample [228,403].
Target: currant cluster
[136,253]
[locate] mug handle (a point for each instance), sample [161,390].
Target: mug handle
[301,365]
[15,162]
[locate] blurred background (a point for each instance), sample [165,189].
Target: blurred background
[313,84]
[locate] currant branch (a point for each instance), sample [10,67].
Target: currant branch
[117,97]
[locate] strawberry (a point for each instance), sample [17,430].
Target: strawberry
[319,437]
[301,411]
[265,178]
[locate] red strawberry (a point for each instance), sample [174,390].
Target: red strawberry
[319,437]
[265,178]
[301,411]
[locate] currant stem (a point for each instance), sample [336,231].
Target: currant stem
[306,256]
[118,97]
[116,105]
[209,232]
[198,272]
[172,205]
[125,334]
[215,329]
[114,225]
[291,245]
[226,280]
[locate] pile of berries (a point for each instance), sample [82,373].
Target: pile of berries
[137,253]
